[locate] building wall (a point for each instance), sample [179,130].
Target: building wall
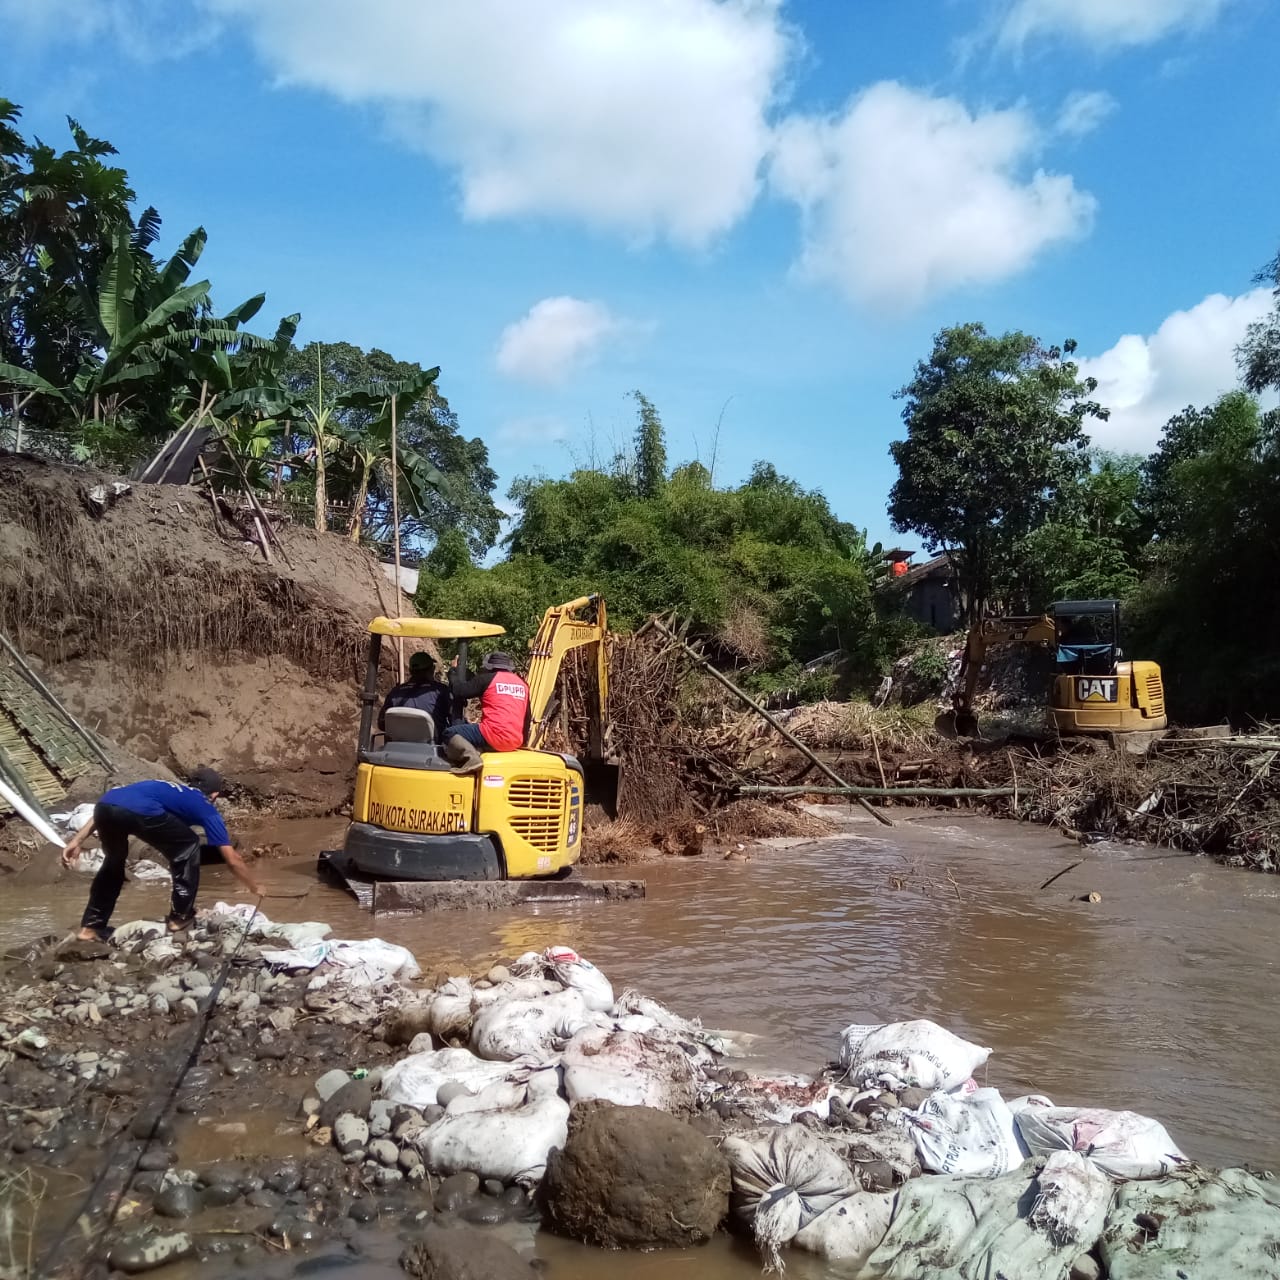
[932,602]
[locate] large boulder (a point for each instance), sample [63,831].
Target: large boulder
[463,1253]
[633,1177]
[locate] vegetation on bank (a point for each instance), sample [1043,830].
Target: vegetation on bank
[107,347]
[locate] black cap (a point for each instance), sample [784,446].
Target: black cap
[499,662]
[421,663]
[207,780]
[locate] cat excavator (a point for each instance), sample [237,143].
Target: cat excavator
[519,815]
[1094,690]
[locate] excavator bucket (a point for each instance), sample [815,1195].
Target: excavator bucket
[602,780]
[956,724]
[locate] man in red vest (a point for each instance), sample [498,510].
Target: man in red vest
[505,714]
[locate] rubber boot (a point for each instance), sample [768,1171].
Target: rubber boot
[462,754]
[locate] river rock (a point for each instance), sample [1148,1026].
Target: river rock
[330,1083]
[456,1190]
[178,1201]
[220,1195]
[264,1199]
[406,1023]
[409,1160]
[634,1177]
[1086,1267]
[384,1151]
[155,1159]
[350,1133]
[451,1089]
[354,1098]
[380,1118]
[913,1099]
[285,1178]
[137,1253]
[461,1252]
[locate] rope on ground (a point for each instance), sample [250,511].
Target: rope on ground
[80,1229]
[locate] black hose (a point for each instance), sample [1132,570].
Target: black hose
[49,1266]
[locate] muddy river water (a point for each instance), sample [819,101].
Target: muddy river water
[1160,997]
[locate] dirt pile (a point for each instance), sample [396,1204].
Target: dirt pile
[167,633]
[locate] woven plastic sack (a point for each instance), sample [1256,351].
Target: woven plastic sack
[917,1055]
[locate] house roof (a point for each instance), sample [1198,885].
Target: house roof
[938,567]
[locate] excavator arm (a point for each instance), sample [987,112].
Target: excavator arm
[561,631]
[990,631]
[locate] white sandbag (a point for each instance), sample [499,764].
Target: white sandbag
[1071,1188]
[74,820]
[582,976]
[259,925]
[970,1136]
[449,1010]
[136,930]
[535,1029]
[502,1095]
[514,989]
[628,1069]
[368,959]
[917,1055]
[145,869]
[529,965]
[783,1178]
[1121,1143]
[849,1231]
[1029,1100]
[416,1079]
[510,1145]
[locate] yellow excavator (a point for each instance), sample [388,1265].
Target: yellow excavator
[519,815]
[1094,690]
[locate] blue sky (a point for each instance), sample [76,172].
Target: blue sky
[756,212]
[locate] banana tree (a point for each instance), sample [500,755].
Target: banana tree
[370,444]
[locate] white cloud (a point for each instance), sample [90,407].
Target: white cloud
[907,196]
[1083,112]
[556,338]
[1189,360]
[532,429]
[1105,23]
[645,116]
[147,30]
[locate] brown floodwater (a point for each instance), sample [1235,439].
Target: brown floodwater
[1159,998]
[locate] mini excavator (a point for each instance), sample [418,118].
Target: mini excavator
[519,815]
[1094,690]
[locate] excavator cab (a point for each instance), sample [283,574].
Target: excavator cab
[1095,691]
[520,814]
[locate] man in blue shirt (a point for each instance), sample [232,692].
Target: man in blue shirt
[421,692]
[160,814]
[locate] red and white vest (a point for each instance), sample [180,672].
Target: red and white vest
[503,706]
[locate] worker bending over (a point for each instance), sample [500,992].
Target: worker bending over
[504,711]
[160,814]
[421,692]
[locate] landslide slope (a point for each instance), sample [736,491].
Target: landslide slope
[174,639]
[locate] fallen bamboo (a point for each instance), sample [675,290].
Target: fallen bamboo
[33,817]
[663,629]
[52,699]
[948,793]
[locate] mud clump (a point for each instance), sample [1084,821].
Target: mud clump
[175,640]
[633,1177]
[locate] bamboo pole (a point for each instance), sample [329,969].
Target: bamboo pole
[49,696]
[395,520]
[746,698]
[909,792]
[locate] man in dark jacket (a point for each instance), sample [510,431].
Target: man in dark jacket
[505,714]
[162,815]
[421,692]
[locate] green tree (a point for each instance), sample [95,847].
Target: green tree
[763,572]
[1259,354]
[429,444]
[1211,603]
[994,435]
[1093,543]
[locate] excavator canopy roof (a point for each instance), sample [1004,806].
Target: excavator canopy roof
[433,628]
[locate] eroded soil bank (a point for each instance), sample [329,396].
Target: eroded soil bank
[1158,998]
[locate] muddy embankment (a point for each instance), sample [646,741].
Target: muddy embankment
[166,632]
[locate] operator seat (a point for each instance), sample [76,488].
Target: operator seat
[408,724]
